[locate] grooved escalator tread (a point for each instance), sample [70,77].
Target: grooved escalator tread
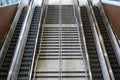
[26,63]
[91,47]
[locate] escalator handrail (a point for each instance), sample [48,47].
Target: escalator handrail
[43,7]
[77,9]
[43,10]
[101,41]
[96,35]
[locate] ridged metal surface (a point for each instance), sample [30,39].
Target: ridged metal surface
[53,14]
[108,45]
[67,15]
[91,47]
[10,52]
[60,49]
[26,63]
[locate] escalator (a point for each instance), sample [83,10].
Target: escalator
[91,47]
[56,45]
[27,58]
[108,44]
[10,52]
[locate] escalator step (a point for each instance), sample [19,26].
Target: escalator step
[91,48]
[25,67]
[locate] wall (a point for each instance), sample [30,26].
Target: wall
[6,17]
[113,13]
